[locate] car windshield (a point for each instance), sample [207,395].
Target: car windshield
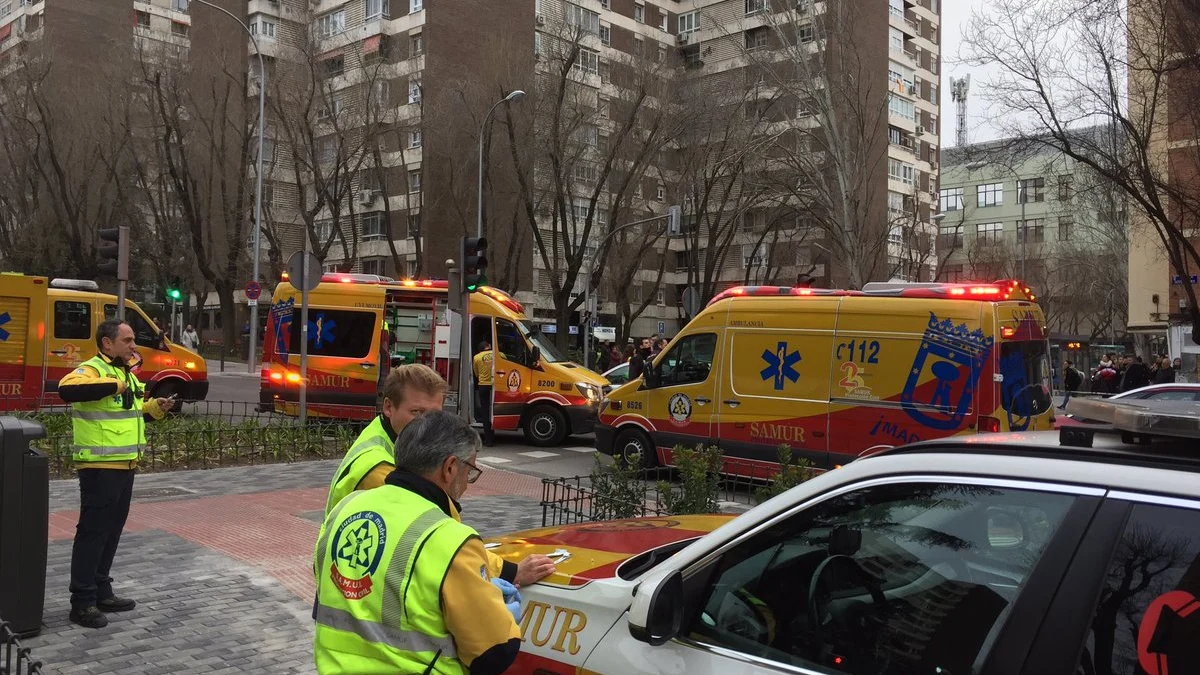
[545,345]
[1025,368]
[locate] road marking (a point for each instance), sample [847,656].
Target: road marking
[581,448]
[493,460]
[538,454]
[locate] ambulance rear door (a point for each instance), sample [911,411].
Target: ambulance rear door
[22,304]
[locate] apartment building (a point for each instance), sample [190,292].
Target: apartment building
[1033,214]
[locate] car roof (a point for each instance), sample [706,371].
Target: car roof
[1159,387]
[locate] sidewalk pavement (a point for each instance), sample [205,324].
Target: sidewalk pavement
[220,562]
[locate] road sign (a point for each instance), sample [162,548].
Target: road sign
[691,301]
[662,328]
[1177,280]
[253,290]
[304,270]
[252,302]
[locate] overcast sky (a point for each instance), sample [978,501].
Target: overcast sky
[955,15]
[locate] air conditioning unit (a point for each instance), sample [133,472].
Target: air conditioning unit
[541,20]
[920,130]
[682,38]
[366,196]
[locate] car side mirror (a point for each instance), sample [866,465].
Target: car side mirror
[652,375]
[535,355]
[656,614]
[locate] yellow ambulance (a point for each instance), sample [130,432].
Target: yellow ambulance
[834,374]
[48,327]
[362,325]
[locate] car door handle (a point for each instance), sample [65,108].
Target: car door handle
[367,365]
[703,401]
[732,403]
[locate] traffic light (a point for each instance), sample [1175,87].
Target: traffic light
[474,263]
[114,252]
[173,292]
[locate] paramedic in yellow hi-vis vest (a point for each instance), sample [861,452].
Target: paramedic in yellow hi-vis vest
[109,438]
[485,369]
[409,392]
[402,584]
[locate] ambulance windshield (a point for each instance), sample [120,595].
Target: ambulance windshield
[543,342]
[1025,388]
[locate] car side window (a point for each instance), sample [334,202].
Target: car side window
[1171,396]
[900,579]
[143,335]
[690,360]
[72,320]
[1148,616]
[510,343]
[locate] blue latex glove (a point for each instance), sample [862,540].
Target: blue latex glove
[512,597]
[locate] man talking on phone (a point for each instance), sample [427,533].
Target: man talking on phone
[107,405]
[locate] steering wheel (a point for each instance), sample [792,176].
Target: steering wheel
[817,607]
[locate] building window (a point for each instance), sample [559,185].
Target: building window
[179,29]
[756,38]
[902,171]
[951,200]
[1031,190]
[264,28]
[414,180]
[660,298]
[1065,225]
[1064,188]
[380,94]
[804,34]
[588,61]
[661,193]
[373,266]
[681,261]
[895,39]
[416,44]
[332,23]
[990,194]
[334,66]
[143,19]
[378,9]
[372,227]
[902,108]
[689,22]
[414,225]
[414,90]
[953,273]
[416,5]
[327,149]
[368,181]
[177,5]
[662,21]
[754,255]
[604,4]
[989,233]
[1032,230]
[950,238]
[606,34]
[587,20]
[756,6]
[414,139]
[639,13]
[898,202]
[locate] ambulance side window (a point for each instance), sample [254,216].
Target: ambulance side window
[689,361]
[510,344]
[143,334]
[1148,610]
[73,320]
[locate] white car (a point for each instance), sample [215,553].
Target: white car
[1178,391]
[1050,553]
[616,376]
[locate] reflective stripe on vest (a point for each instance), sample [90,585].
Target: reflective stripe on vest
[105,430]
[350,471]
[384,634]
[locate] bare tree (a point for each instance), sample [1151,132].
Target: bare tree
[1071,63]
[582,161]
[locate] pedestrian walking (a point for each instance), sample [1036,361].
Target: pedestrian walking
[485,368]
[403,586]
[109,438]
[1072,379]
[190,338]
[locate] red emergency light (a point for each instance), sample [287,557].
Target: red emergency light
[777,291]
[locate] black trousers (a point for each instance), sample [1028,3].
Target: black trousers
[104,496]
[483,409]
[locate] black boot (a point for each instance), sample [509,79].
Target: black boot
[115,604]
[88,617]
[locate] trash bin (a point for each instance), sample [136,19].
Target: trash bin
[24,525]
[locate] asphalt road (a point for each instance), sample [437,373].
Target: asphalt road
[511,452]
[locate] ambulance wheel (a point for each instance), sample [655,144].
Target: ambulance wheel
[165,388]
[634,448]
[546,426]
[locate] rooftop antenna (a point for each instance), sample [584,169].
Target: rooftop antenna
[959,87]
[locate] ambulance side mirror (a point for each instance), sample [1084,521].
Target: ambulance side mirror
[652,376]
[535,355]
[656,615]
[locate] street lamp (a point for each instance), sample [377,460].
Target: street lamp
[515,95]
[262,106]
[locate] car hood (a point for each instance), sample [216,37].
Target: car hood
[598,549]
[568,371]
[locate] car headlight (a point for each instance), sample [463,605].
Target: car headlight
[590,391]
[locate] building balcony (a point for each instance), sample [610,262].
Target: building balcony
[903,23]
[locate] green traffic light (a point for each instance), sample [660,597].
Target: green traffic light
[174,293]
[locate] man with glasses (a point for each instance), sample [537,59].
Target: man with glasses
[107,405]
[410,391]
[402,584]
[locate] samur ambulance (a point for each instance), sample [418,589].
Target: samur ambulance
[359,326]
[834,374]
[48,327]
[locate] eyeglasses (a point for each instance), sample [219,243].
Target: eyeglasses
[473,471]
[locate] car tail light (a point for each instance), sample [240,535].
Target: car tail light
[989,425]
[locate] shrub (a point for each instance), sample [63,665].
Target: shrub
[792,472]
[617,491]
[699,478]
